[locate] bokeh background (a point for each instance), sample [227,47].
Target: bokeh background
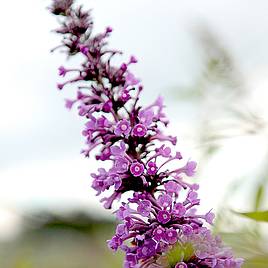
[207,58]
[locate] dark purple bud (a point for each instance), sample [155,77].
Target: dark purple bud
[133,59]
[107,107]
[109,29]
[62,71]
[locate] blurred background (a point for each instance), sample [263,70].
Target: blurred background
[208,59]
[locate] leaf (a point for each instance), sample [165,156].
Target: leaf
[256,262]
[255,215]
[179,253]
[259,197]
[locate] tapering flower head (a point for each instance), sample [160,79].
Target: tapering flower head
[159,225]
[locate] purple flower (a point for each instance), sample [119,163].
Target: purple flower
[139,130]
[114,243]
[182,265]
[171,236]
[125,96]
[131,260]
[172,187]
[122,127]
[163,216]
[107,106]
[187,229]
[136,169]
[133,59]
[209,217]
[121,230]
[148,249]
[164,200]
[131,80]
[146,117]
[84,49]
[144,208]
[105,154]
[60,86]
[189,169]
[164,151]
[179,210]
[62,71]
[192,197]
[69,103]
[121,165]
[119,150]
[159,233]
[151,169]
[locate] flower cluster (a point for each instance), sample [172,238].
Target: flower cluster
[167,233]
[159,224]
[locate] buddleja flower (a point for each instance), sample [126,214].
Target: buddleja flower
[159,225]
[167,232]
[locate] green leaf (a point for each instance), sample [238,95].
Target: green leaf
[255,215]
[179,253]
[259,197]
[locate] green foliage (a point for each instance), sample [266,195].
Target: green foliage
[259,196]
[255,215]
[179,253]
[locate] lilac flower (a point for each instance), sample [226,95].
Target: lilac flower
[209,217]
[122,127]
[163,216]
[152,169]
[164,151]
[148,249]
[164,200]
[179,210]
[171,236]
[144,208]
[121,164]
[159,226]
[136,169]
[181,265]
[164,231]
[159,233]
[62,71]
[131,80]
[146,117]
[172,187]
[125,96]
[139,130]
[118,150]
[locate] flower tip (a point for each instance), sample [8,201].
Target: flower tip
[209,217]
[69,104]
[123,67]
[109,29]
[83,49]
[133,59]
[60,86]
[62,71]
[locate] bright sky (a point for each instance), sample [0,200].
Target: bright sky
[40,141]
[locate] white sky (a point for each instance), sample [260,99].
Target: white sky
[40,141]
